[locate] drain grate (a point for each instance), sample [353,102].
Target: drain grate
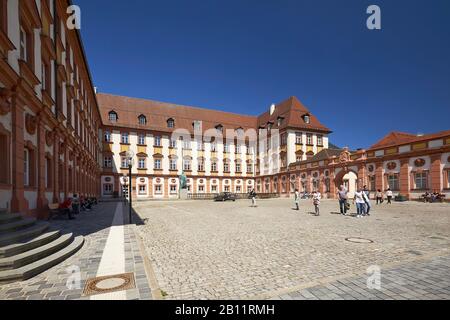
[359,240]
[109,284]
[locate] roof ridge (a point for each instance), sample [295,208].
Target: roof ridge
[178,105]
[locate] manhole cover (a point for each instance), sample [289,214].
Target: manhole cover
[109,284]
[359,240]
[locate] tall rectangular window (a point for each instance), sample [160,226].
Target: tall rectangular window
[23,45]
[173,143]
[157,164]
[187,144]
[393,182]
[4,159]
[141,140]
[226,166]
[298,138]
[187,165]
[125,138]
[201,165]
[141,163]
[107,162]
[421,180]
[238,167]
[157,141]
[124,162]
[214,166]
[448,179]
[26,167]
[107,136]
[173,164]
[320,141]
[309,139]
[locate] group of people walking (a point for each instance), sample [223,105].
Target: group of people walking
[316,197]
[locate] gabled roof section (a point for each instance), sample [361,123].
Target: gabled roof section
[401,138]
[292,112]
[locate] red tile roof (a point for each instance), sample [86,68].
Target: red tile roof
[402,138]
[157,113]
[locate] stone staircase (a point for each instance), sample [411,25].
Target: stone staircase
[28,248]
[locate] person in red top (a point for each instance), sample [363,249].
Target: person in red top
[66,206]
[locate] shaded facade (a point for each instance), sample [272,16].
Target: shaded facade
[49,118]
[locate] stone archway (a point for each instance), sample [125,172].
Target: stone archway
[349,179]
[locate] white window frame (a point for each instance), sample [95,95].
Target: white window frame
[142,139]
[158,164]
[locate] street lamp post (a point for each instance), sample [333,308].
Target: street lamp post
[130,155]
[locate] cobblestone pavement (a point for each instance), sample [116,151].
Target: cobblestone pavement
[206,250]
[95,227]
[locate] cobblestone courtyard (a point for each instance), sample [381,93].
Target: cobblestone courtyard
[207,250]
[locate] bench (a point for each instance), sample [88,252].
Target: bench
[54,209]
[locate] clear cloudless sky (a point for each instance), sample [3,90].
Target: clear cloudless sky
[243,55]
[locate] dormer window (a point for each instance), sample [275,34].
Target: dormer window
[269,126]
[307,118]
[219,128]
[280,121]
[142,120]
[171,123]
[113,116]
[197,125]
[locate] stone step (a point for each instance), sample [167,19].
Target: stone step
[24,234]
[16,225]
[28,257]
[42,265]
[7,218]
[33,243]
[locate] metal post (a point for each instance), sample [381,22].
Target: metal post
[130,190]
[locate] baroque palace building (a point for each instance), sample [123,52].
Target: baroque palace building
[58,137]
[49,117]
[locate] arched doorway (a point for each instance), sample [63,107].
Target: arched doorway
[349,179]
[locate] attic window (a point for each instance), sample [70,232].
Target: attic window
[280,121]
[307,118]
[197,125]
[113,116]
[171,123]
[142,120]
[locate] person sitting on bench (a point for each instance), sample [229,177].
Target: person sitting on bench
[66,207]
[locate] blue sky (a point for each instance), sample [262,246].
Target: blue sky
[243,55]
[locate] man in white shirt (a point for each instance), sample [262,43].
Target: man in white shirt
[297,199]
[389,195]
[360,203]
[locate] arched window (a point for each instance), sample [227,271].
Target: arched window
[171,123]
[142,120]
[113,116]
